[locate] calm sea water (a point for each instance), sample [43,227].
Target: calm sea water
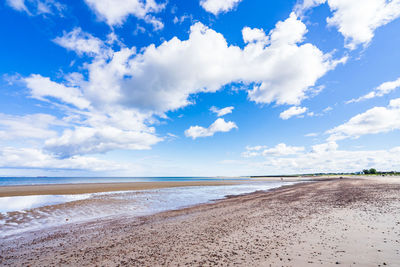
[7,181]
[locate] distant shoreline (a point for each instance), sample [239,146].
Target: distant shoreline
[84,188]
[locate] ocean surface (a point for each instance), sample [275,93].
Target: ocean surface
[6,181]
[26,213]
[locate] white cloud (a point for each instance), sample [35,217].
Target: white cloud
[255,148]
[36,7]
[373,121]
[279,150]
[383,89]
[219,6]
[282,150]
[311,135]
[162,78]
[92,129]
[182,19]
[293,111]
[21,158]
[254,35]
[32,126]
[122,91]
[81,42]
[325,147]
[90,140]
[17,5]
[220,125]
[357,20]
[324,157]
[42,88]
[116,12]
[221,112]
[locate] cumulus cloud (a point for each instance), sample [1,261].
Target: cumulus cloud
[357,20]
[162,78]
[373,121]
[279,150]
[221,112]
[293,111]
[254,35]
[137,86]
[325,157]
[219,6]
[282,71]
[116,12]
[220,125]
[383,89]
[36,7]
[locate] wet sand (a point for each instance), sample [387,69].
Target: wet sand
[73,189]
[351,222]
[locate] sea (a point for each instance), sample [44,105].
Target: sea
[30,213]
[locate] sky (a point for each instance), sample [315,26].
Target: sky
[198,87]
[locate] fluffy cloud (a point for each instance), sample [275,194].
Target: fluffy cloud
[89,140]
[162,78]
[373,121]
[36,7]
[115,12]
[219,6]
[293,111]
[81,42]
[254,35]
[381,90]
[324,157]
[281,71]
[92,129]
[357,20]
[220,125]
[221,112]
[113,105]
[279,150]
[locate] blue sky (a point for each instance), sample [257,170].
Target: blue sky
[199,87]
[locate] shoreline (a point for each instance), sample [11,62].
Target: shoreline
[87,188]
[342,221]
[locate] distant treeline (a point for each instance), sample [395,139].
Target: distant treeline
[375,172]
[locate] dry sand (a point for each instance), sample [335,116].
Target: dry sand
[350,222]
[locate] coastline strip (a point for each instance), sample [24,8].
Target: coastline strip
[73,189]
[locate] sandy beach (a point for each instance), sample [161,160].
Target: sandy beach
[350,222]
[83,188]
[74,189]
